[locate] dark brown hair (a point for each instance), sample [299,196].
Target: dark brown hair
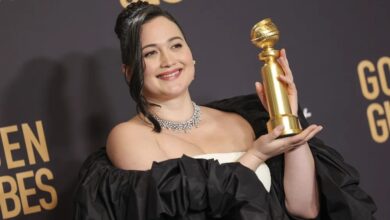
[128,29]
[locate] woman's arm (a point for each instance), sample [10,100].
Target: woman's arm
[300,185]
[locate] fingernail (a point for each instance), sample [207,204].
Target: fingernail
[321,127]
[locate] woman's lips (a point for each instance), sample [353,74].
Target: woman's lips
[169,75]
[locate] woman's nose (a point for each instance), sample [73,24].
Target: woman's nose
[167,59]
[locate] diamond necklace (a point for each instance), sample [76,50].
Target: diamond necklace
[181,126]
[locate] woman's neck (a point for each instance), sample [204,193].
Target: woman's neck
[177,109]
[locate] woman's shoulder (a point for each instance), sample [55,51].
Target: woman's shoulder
[130,131]
[218,114]
[248,107]
[231,122]
[131,145]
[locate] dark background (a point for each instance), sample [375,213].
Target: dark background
[60,63]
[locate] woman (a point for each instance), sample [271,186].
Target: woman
[157,182]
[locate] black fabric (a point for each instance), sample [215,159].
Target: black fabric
[199,189]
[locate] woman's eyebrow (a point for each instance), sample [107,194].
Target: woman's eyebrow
[169,40]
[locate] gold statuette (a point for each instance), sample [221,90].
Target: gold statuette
[265,35]
[125,3]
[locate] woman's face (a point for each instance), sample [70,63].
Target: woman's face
[169,66]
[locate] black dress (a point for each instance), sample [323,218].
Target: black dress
[199,189]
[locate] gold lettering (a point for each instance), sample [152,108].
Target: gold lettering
[46,188]
[387,110]
[374,124]
[382,74]
[172,1]
[124,3]
[24,193]
[8,147]
[154,2]
[11,195]
[364,81]
[31,140]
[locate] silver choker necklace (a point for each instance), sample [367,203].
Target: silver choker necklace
[181,126]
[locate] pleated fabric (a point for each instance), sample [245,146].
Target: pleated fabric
[198,189]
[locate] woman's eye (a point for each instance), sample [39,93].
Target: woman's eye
[150,53]
[178,45]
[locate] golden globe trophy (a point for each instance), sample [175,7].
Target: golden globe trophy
[124,3]
[265,35]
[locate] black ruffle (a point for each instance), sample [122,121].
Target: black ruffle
[198,189]
[183,188]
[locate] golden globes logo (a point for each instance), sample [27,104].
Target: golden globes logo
[124,3]
[373,83]
[27,190]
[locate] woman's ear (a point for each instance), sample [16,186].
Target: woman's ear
[126,72]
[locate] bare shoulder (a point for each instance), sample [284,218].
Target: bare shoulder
[132,145]
[231,122]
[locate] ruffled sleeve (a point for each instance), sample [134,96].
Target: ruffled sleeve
[340,194]
[183,188]
[198,189]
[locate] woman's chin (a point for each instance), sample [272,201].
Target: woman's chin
[176,94]
[177,90]
[167,95]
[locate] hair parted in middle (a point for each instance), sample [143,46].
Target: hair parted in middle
[128,29]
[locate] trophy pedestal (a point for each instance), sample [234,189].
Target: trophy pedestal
[290,123]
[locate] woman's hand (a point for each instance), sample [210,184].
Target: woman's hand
[267,146]
[287,79]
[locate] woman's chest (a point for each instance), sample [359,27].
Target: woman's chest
[219,139]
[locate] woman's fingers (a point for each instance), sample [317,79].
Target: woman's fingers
[284,55]
[275,133]
[287,77]
[301,136]
[304,136]
[313,133]
[282,60]
[288,81]
[289,143]
[269,145]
